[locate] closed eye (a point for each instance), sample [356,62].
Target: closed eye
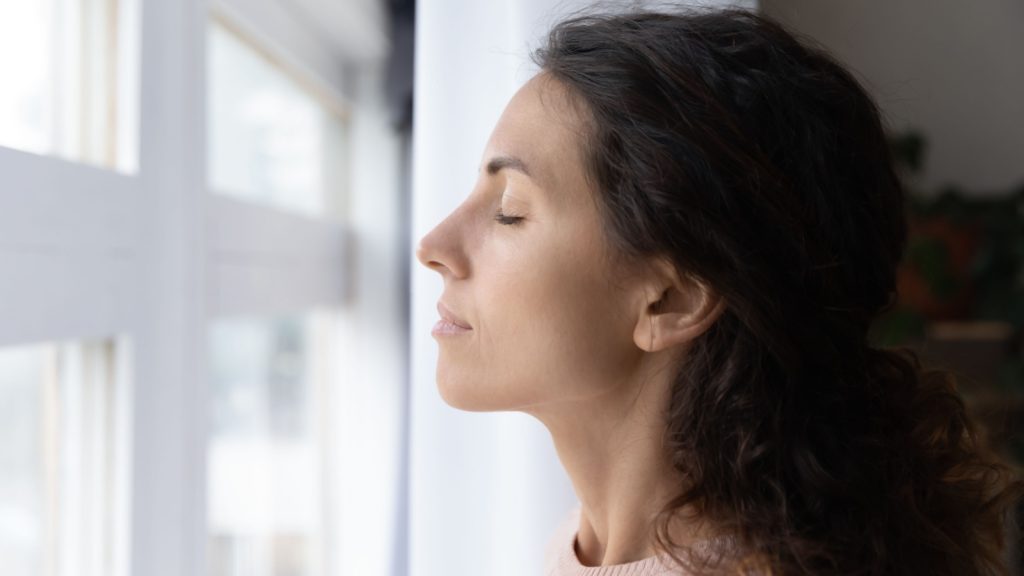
[507,219]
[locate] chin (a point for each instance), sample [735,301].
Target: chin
[461,398]
[468,395]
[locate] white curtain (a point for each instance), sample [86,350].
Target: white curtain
[486,489]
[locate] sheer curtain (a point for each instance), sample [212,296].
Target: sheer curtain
[486,489]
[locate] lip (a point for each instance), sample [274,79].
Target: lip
[449,324]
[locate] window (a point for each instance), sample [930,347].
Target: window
[63,468]
[111,471]
[266,460]
[277,165]
[270,137]
[70,80]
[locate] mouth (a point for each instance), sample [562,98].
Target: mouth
[449,324]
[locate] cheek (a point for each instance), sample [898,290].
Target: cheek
[556,326]
[548,325]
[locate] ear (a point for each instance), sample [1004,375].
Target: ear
[675,310]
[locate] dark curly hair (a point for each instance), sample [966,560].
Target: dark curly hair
[759,165]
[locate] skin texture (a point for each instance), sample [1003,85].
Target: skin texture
[562,328]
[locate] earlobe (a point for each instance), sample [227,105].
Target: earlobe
[683,312]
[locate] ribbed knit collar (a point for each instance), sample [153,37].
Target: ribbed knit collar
[562,559]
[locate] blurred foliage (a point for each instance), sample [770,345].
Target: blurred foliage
[966,251]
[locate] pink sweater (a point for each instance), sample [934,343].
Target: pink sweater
[560,557]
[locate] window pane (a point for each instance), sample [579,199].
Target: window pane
[269,139]
[265,500]
[21,465]
[62,483]
[69,68]
[26,108]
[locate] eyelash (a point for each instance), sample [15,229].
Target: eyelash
[507,220]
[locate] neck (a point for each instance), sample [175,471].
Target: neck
[611,446]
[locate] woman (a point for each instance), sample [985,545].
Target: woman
[682,229]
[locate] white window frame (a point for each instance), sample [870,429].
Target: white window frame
[153,256]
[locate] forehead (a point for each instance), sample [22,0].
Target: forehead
[542,126]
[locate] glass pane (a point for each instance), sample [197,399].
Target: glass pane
[264,501]
[67,68]
[21,463]
[25,61]
[269,140]
[63,484]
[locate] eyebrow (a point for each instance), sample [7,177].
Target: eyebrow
[511,162]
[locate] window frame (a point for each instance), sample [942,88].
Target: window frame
[152,257]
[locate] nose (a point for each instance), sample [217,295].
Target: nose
[440,250]
[423,254]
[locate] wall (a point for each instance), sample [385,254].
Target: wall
[952,69]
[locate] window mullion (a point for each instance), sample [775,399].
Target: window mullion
[263,260]
[168,453]
[69,249]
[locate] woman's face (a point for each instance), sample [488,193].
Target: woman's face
[545,307]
